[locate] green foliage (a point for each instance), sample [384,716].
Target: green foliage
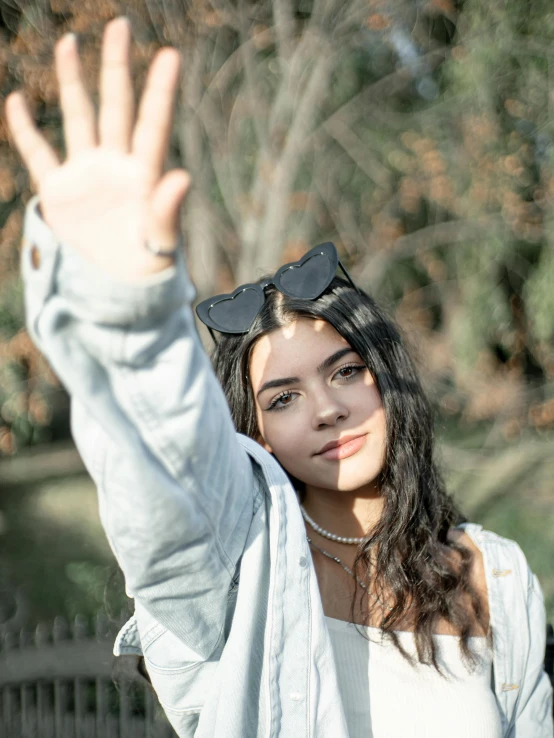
[12,314]
[425,154]
[53,547]
[539,293]
[506,487]
[98,587]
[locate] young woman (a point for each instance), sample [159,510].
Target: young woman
[365,610]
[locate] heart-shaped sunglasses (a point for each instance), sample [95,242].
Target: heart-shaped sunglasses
[307,278]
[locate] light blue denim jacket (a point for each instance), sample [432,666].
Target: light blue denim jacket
[206,526]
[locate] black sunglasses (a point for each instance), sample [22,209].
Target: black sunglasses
[307,279]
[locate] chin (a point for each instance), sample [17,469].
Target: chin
[348,484]
[355,486]
[352,482]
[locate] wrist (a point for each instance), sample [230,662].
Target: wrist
[151,291]
[118,250]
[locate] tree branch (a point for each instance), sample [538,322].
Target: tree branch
[202,256]
[371,271]
[385,87]
[274,196]
[357,151]
[284,31]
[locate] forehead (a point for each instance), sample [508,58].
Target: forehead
[293,350]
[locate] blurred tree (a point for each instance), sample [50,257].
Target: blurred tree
[416,135]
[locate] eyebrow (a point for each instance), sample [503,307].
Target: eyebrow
[329,361]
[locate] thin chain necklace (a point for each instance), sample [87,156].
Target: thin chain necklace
[326,533]
[348,570]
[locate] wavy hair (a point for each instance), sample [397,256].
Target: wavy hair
[408,554]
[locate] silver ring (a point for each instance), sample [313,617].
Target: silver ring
[161,250]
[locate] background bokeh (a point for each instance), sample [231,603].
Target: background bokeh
[416,135]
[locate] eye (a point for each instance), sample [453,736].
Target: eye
[349,371]
[281,401]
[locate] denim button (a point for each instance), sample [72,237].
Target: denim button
[296,696]
[302,561]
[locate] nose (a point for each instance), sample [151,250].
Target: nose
[328,409]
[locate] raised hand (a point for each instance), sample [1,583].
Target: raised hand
[110,195]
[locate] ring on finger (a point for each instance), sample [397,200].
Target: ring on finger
[163,251]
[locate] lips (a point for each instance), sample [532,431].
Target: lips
[338,443]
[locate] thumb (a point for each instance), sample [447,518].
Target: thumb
[167,198]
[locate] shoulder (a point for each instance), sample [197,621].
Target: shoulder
[502,557]
[513,591]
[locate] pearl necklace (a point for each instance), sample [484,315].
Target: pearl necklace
[326,533]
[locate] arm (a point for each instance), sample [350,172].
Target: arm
[152,425]
[115,322]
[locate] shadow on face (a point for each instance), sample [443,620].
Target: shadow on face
[318,408]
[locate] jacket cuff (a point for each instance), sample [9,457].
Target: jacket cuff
[50,267]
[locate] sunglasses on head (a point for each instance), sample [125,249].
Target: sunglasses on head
[307,278]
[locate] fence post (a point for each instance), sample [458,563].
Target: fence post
[80,633]
[10,643]
[101,632]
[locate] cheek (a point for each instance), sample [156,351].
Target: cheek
[381,428]
[284,436]
[372,410]
[378,415]
[371,403]
[379,432]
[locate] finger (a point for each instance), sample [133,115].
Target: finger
[167,198]
[116,88]
[77,108]
[39,157]
[155,118]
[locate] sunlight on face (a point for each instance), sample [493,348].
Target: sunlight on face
[312,390]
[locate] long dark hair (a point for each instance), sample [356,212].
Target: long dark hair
[406,553]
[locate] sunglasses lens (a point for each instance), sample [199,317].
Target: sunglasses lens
[309,279]
[235,315]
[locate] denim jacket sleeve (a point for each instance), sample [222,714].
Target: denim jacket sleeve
[518,622]
[534,708]
[153,427]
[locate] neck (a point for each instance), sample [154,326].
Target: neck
[350,514]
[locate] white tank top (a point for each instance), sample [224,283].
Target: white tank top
[385,697]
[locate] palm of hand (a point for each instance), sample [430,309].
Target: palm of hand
[100,198]
[110,196]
